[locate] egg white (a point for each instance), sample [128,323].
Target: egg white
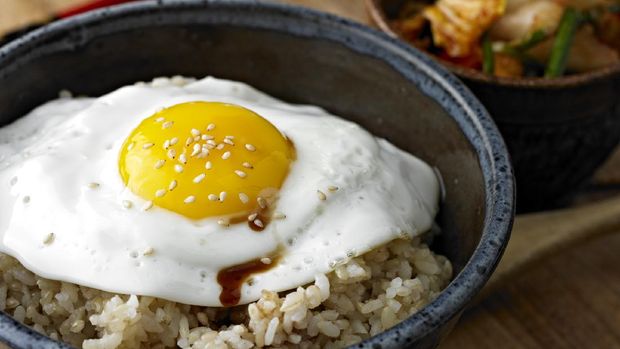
[49,158]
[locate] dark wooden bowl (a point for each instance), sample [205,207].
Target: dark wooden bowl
[558,131]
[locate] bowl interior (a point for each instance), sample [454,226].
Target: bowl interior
[300,64]
[352,85]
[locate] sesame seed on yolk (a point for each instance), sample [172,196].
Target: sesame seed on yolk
[156,159]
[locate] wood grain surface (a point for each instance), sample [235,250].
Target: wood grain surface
[571,300]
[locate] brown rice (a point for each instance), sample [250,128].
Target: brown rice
[356,301]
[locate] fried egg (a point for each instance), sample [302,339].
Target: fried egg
[205,193]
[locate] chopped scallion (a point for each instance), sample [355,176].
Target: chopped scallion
[488,56]
[562,44]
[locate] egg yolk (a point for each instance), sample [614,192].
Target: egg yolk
[206,159]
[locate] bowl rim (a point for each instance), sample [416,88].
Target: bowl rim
[379,18]
[458,101]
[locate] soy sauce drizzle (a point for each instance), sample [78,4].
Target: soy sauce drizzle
[232,278]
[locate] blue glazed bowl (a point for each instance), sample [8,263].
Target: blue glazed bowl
[302,56]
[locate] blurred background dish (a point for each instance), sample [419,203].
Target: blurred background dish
[558,130]
[514,38]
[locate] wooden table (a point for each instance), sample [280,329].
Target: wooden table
[569,301]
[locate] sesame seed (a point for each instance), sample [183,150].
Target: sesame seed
[279,215]
[195,132]
[223,196]
[206,137]
[211,142]
[183,159]
[94,185]
[190,199]
[230,137]
[226,155]
[174,141]
[261,202]
[265,260]
[196,149]
[321,195]
[167,144]
[223,223]
[252,216]
[172,153]
[189,141]
[178,168]
[244,198]
[49,238]
[228,141]
[247,165]
[208,165]
[212,197]
[160,119]
[210,127]
[250,147]
[127,204]
[159,164]
[167,124]
[220,146]
[203,153]
[147,206]
[332,188]
[197,139]
[259,223]
[240,173]
[148,145]
[160,193]
[172,185]
[148,252]
[199,178]
[130,146]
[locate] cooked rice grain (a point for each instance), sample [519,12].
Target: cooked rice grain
[357,300]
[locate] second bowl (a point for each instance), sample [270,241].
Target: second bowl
[558,131]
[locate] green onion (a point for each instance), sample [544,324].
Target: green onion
[562,44]
[519,50]
[536,38]
[488,57]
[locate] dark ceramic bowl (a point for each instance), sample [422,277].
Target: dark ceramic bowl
[301,56]
[558,131]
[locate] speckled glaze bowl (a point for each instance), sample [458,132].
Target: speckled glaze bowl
[558,131]
[301,56]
